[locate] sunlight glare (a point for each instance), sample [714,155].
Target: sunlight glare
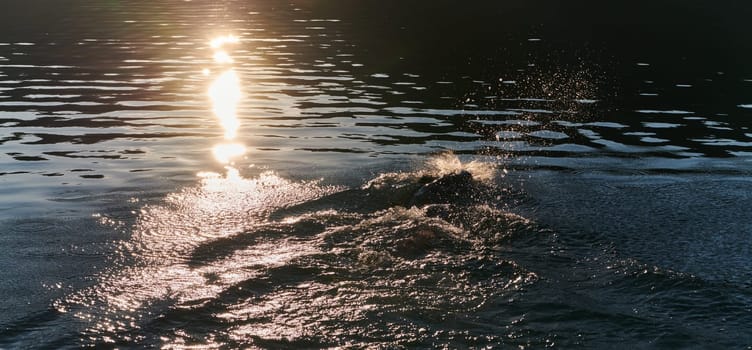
[225,152]
[222,57]
[225,96]
[221,40]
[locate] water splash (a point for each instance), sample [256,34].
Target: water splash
[443,164]
[448,163]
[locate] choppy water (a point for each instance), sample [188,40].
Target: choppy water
[314,174]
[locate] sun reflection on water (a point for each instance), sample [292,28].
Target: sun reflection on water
[226,152]
[221,40]
[225,95]
[160,261]
[222,57]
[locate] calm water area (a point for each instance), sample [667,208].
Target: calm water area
[309,174]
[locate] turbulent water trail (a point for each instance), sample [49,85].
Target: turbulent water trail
[266,260]
[434,257]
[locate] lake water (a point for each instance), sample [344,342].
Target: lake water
[375,174]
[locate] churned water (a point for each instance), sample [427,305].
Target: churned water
[337,174]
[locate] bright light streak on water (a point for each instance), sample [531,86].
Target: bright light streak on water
[221,40]
[226,152]
[225,95]
[222,57]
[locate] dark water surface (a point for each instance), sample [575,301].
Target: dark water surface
[340,174]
